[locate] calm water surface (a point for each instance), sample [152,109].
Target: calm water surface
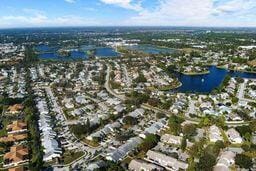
[47,52]
[206,83]
[150,49]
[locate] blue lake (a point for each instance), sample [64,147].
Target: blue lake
[46,52]
[101,51]
[106,52]
[45,48]
[55,56]
[150,49]
[206,83]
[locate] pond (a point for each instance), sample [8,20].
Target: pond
[151,49]
[207,82]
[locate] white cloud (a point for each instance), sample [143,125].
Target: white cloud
[70,1]
[127,4]
[236,6]
[196,13]
[39,20]
[175,12]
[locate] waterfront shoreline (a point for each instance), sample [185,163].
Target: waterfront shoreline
[196,73]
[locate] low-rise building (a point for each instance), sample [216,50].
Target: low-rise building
[14,138]
[124,149]
[234,136]
[215,134]
[17,155]
[225,160]
[171,139]
[16,127]
[138,165]
[165,161]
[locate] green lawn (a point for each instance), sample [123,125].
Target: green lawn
[70,156]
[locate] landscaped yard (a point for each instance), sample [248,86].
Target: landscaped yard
[70,156]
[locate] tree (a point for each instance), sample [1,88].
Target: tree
[252,125]
[234,100]
[205,121]
[129,120]
[153,102]
[243,161]
[149,142]
[174,124]
[243,130]
[140,79]
[160,115]
[206,161]
[221,121]
[219,144]
[189,130]
[240,80]
[113,166]
[183,143]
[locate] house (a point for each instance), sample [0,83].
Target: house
[15,109]
[215,134]
[16,127]
[119,153]
[234,136]
[18,154]
[253,138]
[51,145]
[225,160]
[17,169]
[171,139]
[95,165]
[104,131]
[137,113]
[139,165]
[14,137]
[155,128]
[165,161]
[48,135]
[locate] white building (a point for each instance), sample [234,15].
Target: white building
[234,136]
[226,159]
[165,161]
[215,134]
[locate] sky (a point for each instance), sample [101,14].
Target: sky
[55,13]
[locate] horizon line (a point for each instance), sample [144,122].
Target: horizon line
[123,26]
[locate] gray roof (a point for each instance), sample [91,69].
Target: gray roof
[124,149]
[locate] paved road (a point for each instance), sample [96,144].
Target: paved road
[107,86]
[89,152]
[191,108]
[240,92]
[128,79]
